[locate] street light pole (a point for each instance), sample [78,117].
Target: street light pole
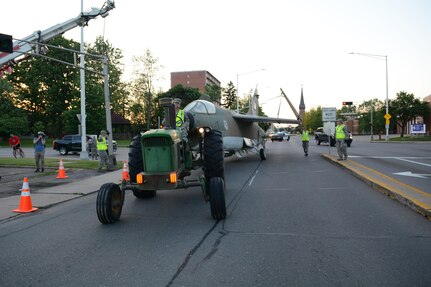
[83,154]
[381,57]
[237,85]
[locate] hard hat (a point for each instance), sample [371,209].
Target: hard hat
[103,132]
[177,100]
[40,133]
[11,135]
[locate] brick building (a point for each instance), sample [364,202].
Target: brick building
[194,79]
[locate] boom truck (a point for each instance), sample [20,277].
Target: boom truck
[33,44]
[162,159]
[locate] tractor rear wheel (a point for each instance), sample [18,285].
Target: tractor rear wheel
[217,200]
[136,163]
[109,203]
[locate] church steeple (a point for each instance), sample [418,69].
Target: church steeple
[301,104]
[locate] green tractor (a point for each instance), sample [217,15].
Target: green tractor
[161,159]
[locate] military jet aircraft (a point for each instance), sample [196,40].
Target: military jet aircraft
[241,132]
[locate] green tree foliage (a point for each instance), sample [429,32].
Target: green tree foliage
[229,96]
[12,119]
[49,91]
[373,108]
[186,94]
[313,118]
[406,108]
[45,88]
[94,85]
[214,92]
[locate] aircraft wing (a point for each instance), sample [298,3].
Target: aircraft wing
[259,119]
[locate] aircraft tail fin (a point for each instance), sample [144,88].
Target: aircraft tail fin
[254,104]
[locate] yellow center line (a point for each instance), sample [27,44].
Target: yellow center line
[392,179]
[384,185]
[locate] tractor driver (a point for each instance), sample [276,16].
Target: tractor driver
[183,120]
[180,115]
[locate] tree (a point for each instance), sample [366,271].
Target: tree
[45,88]
[94,85]
[146,74]
[12,119]
[406,108]
[377,109]
[229,96]
[313,118]
[186,94]
[214,92]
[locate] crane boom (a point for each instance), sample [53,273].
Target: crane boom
[30,43]
[291,106]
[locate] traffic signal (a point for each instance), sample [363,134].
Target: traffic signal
[347,103]
[6,43]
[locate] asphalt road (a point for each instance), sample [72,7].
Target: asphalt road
[292,221]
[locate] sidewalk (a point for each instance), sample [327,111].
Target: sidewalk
[412,197]
[47,197]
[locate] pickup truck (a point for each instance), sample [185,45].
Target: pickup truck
[322,137]
[72,143]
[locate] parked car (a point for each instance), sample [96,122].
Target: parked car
[321,137]
[277,136]
[72,143]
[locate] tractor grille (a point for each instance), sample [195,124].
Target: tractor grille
[155,142]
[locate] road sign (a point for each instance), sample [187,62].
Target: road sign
[329,114]
[387,117]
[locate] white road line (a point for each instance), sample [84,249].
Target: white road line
[251,180]
[393,157]
[415,162]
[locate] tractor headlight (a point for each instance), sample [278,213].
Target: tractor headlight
[203,130]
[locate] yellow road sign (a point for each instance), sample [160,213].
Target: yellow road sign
[387,117]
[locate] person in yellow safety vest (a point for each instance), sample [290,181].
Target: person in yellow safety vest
[179,119]
[341,135]
[102,147]
[182,120]
[305,137]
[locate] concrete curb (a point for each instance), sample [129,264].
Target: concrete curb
[407,195]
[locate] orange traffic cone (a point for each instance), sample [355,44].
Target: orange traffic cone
[125,175]
[61,171]
[25,202]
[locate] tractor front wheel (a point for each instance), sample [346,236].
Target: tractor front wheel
[262,154]
[217,200]
[109,203]
[213,155]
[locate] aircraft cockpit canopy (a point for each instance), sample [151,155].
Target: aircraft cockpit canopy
[200,107]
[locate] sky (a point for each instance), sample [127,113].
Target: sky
[270,44]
